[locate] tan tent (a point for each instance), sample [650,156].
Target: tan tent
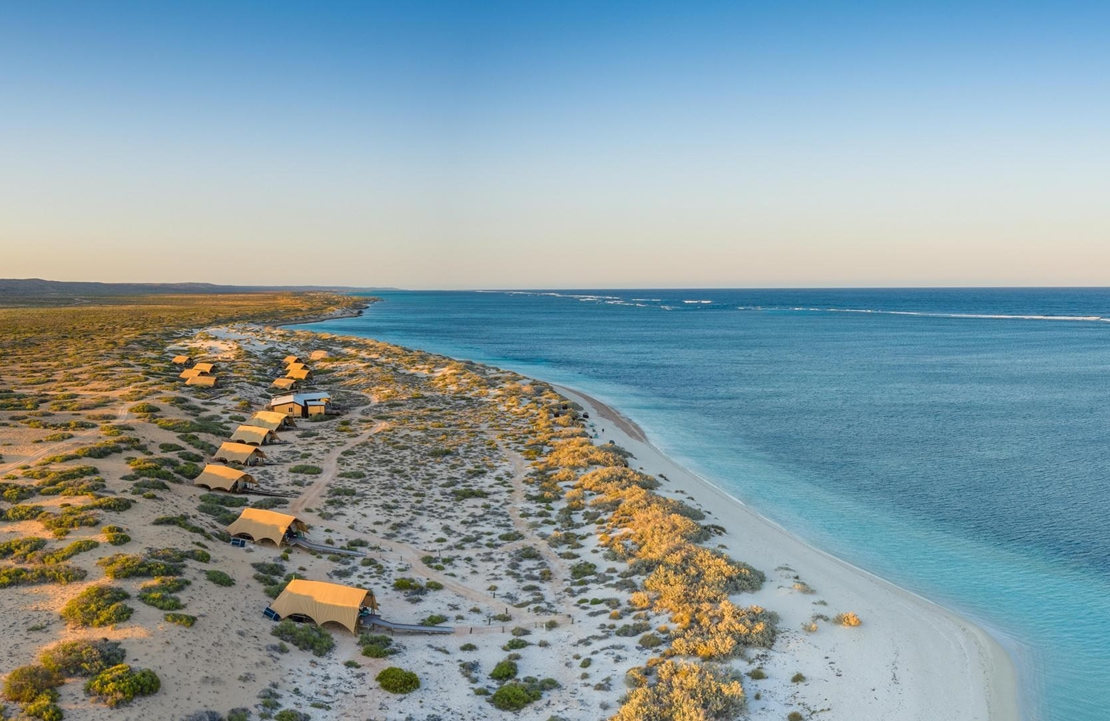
[300,374]
[223,478]
[263,525]
[291,359]
[318,355]
[188,373]
[201,380]
[205,367]
[253,435]
[239,453]
[284,383]
[323,602]
[181,360]
[269,419]
[295,366]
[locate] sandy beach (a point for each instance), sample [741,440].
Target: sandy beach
[910,658]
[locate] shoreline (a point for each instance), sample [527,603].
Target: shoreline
[932,646]
[352,313]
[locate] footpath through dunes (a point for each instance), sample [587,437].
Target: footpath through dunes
[312,494]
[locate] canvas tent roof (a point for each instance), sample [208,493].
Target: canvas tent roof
[205,367]
[323,602]
[201,380]
[318,355]
[295,366]
[188,373]
[299,373]
[179,359]
[222,477]
[290,359]
[264,525]
[284,383]
[252,434]
[270,419]
[239,452]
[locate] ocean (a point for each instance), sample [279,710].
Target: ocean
[951,441]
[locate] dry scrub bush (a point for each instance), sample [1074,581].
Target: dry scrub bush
[684,691]
[847,619]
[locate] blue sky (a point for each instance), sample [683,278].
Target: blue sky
[556,145]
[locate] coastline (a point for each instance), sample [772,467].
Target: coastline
[911,658]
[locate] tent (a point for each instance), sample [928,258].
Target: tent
[188,373]
[318,355]
[181,360]
[223,478]
[253,435]
[323,602]
[295,366]
[299,374]
[239,453]
[206,381]
[284,383]
[205,367]
[265,525]
[269,419]
[291,359]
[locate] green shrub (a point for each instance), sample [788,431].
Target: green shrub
[398,680]
[798,678]
[515,644]
[288,714]
[98,606]
[305,636]
[62,573]
[146,409]
[650,640]
[64,554]
[219,578]
[514,696]
[20,549]
[120,684]
[504,671]
[122,565]
[83,657]
[433,620]
[795,716]
[44,708]
[115,535]
[307,469]
[181,619]
[26,683]
[159,599]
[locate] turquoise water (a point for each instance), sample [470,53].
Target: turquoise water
[952,441]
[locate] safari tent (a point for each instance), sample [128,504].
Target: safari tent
[223,478]
[300,374]
[324,602]
[269,419]
[253,435]
[295,366]
[291,359]
[262,525]
[284,384]
[205,381]
[230,451]
[188,373]
[205,367]
[181,360]
[318,355]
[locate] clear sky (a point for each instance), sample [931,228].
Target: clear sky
[526,144]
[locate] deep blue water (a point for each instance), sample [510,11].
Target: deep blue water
[952,441]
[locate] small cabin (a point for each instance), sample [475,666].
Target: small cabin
[301,405]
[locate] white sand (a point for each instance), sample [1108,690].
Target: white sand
[910,658]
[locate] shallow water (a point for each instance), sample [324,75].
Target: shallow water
[952,441]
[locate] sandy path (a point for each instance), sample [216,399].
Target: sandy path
[331,466]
